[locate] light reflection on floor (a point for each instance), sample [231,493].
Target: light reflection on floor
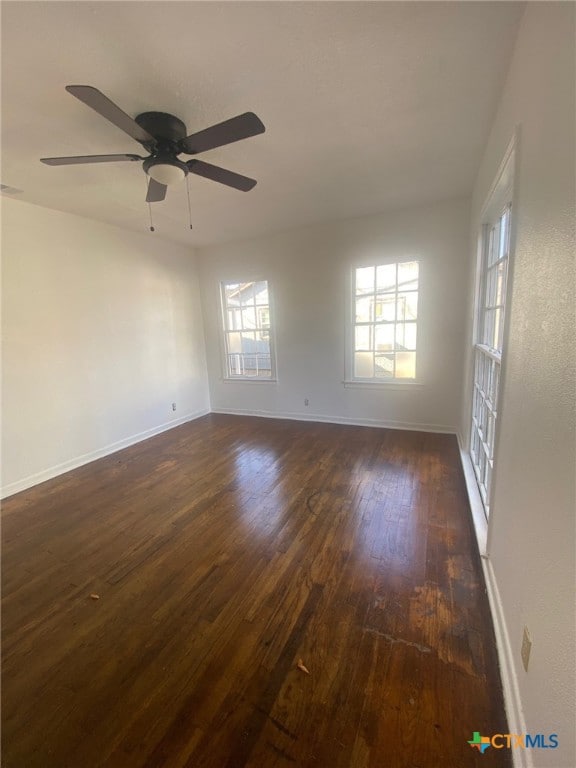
[259,498]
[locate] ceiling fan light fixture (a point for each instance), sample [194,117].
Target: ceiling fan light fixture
[166,170]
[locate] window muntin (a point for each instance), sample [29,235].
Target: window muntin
[385,309]
[247,330]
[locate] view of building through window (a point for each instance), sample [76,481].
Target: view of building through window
[246,311]
[385,311]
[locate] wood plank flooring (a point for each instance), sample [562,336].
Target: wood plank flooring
[223,552]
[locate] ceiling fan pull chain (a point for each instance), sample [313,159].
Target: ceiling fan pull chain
[150,212]
[149,206]
[189,208]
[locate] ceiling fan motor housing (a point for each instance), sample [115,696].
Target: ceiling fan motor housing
[162,126]
[168,132]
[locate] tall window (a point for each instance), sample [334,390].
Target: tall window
[491,301]
[247,333]
[385,306]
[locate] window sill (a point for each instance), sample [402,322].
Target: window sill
[248,380]
[389,385]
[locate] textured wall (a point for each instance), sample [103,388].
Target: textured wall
[310,272]
[101,333]
[532,530]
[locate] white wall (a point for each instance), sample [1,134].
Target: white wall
[532,528]
[309,273]
[101,333]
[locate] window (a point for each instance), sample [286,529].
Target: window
[246,319]
[385,310]
[488,348]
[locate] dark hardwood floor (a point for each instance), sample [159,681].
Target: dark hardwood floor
[223,552]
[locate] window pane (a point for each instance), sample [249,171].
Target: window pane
[488,327]
[234,319]
[474,445]
[384,366]
[485,374]
[481,465]
[384,337]
[401,307]
[405,365]
[490,297]
[487,479]
[482,420]
[231,293]
[249,317]
[257,364]
[489,376]
[363,334]
[234,342]
[408,276]
[493,246]
[262,293]
[500,282]
[495,385]
[407,306]
[365,280]
[364,365]
[385,308]
[498,328]
[247,294]
[490,434]
[235,364]
[386,277]
[406,336]
[247,341]
[504,233]
[364,310]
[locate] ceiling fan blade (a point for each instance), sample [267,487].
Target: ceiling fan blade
[88,159]
[156,191]
[237,128]
[93,98]
[214,172]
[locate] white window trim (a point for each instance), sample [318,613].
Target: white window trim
[502,192]
[225,377]
[390,385]
[350,381]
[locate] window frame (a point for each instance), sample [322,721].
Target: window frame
[391,383]
[227,376]
[488,363]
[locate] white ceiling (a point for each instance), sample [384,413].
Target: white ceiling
[367,105]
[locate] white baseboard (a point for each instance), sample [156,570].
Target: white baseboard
[79,461]
[382,423]
[522,758]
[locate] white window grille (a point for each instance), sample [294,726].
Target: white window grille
[247,330]
[488,349]
[385,313]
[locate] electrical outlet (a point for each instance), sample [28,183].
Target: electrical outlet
[306,401]
[173,406]
[526,646]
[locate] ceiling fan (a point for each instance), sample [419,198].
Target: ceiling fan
[164,137]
